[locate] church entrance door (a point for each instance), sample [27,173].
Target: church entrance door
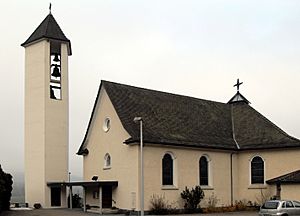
[106,197]
[55,196]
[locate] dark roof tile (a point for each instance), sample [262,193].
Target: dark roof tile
[254,131]
[48,29]
[292,177]
[171,119]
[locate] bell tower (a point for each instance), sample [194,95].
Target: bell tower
[46,113]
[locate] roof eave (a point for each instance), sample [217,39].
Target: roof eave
[68,42]
[83,152]
[136,141]
[82,146]
[267,148]
[282,182]
[289,178]
[131,141]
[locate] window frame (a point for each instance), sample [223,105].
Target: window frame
[250,171]
[296,204]
[174,186]
[95,194]
[107,158]
[209,172]
[167,180]
[287,204]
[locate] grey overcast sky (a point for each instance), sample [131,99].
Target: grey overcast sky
[189,47]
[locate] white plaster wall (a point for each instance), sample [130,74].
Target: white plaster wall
[46,125]
[186,169]
[57,129]
[290,191]
[277,163]
[35,76]
[124,158]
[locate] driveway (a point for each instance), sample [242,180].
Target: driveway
[79,212]
[48,212]
[242,213]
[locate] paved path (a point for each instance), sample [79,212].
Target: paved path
[243,213]
[78,212]
[48,212]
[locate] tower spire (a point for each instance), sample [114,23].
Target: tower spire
[50,30]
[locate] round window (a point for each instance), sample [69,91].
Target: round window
[106,124]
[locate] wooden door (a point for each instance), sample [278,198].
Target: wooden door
[106,197]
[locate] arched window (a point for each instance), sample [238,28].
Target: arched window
[167,170]
[257,170]
[203,170]
[107,161]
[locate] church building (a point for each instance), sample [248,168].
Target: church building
[231,150]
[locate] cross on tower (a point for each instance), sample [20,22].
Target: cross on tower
[238,83]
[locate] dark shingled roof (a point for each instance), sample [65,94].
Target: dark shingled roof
[48,29]
[177,120]
[290,178]
[254,131]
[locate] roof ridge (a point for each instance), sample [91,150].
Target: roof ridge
[47,24]
[57,25]
[274,125]
[164,92]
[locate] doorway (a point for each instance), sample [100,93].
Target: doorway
[55,196]
[106,197]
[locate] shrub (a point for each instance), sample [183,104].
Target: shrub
[5,190]
[263,196]
[37,205]
[192,198]
[241,205]
[158,205]
[212,201]
[76,201]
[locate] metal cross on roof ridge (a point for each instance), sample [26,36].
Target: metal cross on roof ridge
[238,83]
[50,5]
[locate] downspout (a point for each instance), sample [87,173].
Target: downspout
[231,180]
[231,155]
[233,132]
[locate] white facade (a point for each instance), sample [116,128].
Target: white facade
[46,125]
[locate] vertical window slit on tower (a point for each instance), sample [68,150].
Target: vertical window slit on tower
[55,71]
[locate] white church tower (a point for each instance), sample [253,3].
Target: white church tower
[46,114]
